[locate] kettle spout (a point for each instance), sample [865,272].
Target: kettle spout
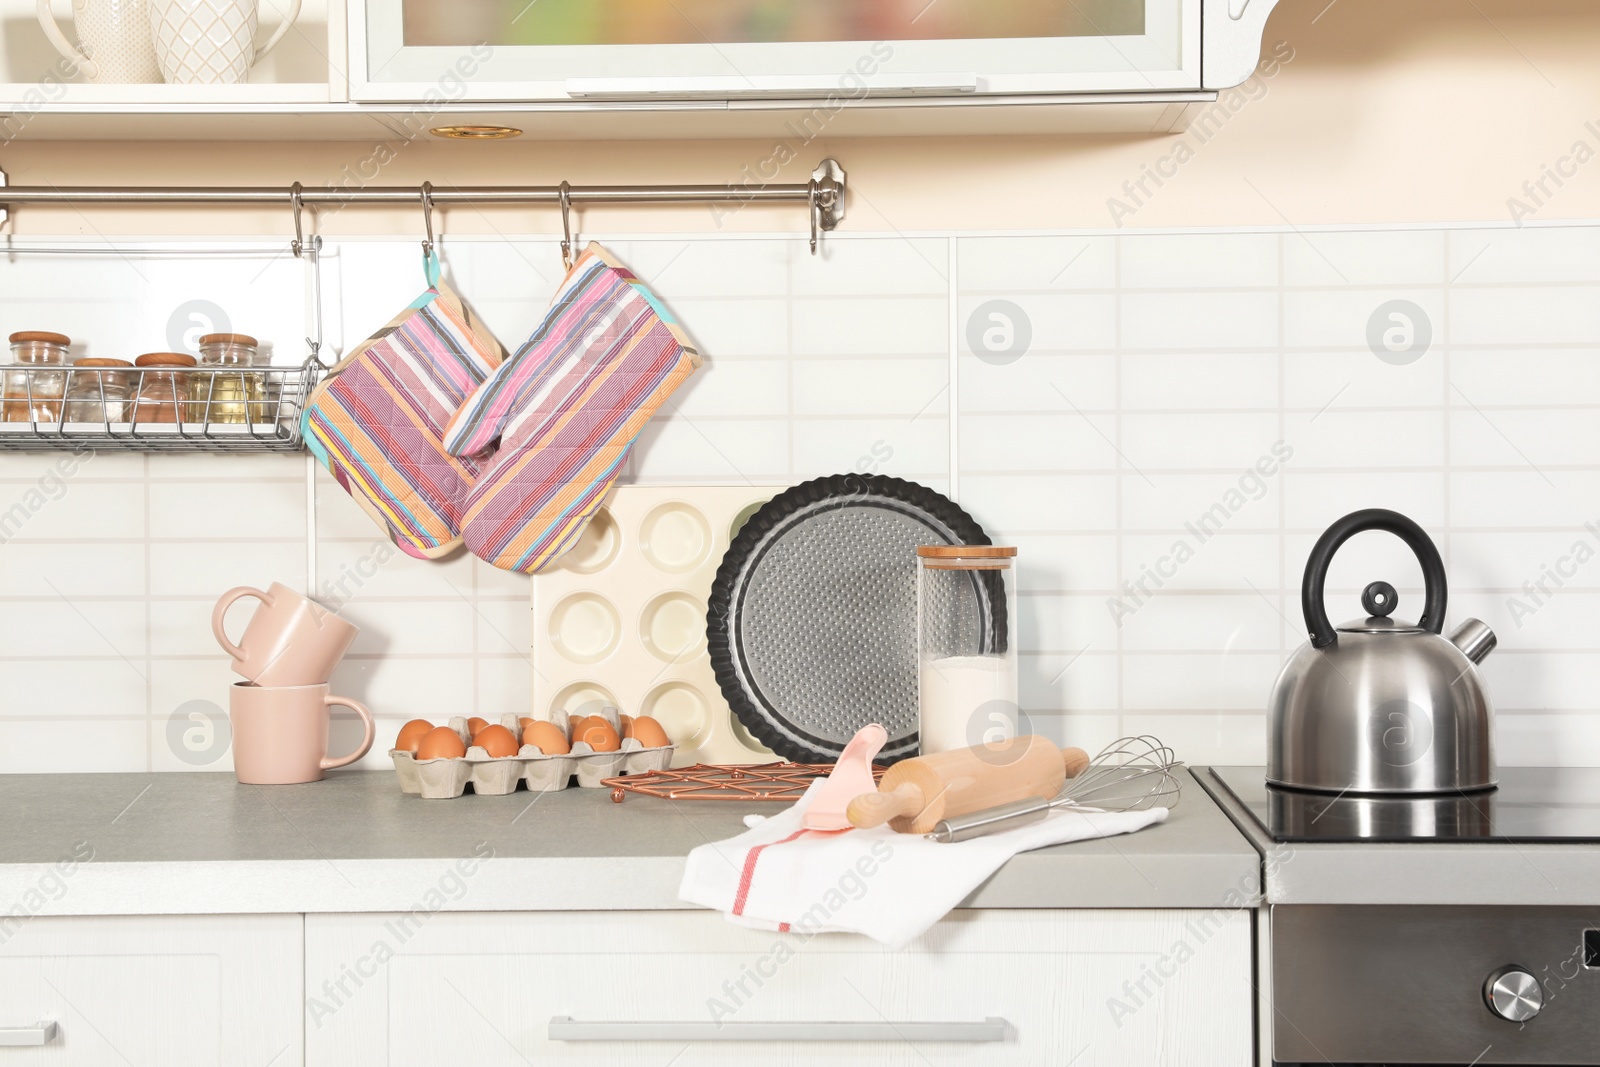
[1474,639]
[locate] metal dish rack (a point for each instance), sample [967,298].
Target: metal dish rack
[268,424]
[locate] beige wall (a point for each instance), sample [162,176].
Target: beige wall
[1426,110]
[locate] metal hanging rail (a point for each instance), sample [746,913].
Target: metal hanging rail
[823,195]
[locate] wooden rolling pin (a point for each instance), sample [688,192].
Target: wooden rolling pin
[915,794]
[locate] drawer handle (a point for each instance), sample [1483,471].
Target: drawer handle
[37,1034]
[566,1028]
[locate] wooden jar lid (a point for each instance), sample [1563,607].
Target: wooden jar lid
[44,336]
[228,339]
[966,551]
[165,359]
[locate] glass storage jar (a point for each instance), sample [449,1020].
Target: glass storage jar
[222,396]
[97,391]
[966,646]
[36,381]
[161,386]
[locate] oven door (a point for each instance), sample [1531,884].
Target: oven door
[1437,985]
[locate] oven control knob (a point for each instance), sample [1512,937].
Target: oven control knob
[1513,994]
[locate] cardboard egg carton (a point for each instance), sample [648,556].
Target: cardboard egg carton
[448,778]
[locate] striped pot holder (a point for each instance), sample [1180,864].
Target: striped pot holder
[377,421]
[566,409]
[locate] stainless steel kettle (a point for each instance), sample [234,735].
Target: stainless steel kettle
[1380,705]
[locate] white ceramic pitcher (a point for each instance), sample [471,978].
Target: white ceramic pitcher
[114,40]
[210,41]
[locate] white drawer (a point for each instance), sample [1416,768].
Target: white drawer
[1107,987]
[168,990]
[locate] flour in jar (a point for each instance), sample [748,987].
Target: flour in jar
[966,700]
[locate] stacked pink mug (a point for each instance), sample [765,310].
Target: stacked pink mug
[280,712]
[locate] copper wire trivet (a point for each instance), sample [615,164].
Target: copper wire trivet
[710,781]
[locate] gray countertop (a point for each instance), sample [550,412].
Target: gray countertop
[1421,872]
[112,844]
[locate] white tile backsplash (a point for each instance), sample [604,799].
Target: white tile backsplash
[1057,322]
[1365,257]
[1029,442]
[1042,502]
[1526,376]
[1181,381]
[1526,254]
[1052,382]
[1230,342]
[866,326]
[1517,315]
[1021,264]
[1341,318]
[1161,368]
[1200,261]
[1340,381]
[1187,321]
[868,386]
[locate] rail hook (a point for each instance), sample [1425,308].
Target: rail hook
[427,217]
[566,225]
[430,261]
[814,210]
[298,245]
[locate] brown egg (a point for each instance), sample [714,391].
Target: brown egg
[649,733]
[497,741]
[627,725]
[411,733]
[475,725]
[546,737]
[522,723]
[441,743]
[600,735]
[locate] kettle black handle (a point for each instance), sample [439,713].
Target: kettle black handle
[1311,598]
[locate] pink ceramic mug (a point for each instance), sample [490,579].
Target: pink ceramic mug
[280,733]
[291,639]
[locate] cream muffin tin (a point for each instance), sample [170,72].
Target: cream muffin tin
[620,621]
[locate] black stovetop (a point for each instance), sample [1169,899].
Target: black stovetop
[1532,805]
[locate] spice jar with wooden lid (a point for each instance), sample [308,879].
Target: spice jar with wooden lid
[161,386]
[222,396]
[99,390]
[36,381]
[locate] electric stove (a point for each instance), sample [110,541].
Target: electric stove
[1532,805]
[1461,928]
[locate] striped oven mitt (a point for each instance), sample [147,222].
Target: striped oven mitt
[566,409]
[377,421]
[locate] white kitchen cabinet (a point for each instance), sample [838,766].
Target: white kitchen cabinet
[1089,987]
[607,69]
[167,990]
[677,50]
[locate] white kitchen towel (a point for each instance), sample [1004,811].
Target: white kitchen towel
[891,887]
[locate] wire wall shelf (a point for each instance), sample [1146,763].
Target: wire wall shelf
[171,408]
[155,409]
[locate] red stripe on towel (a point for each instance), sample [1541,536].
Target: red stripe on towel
[749,871]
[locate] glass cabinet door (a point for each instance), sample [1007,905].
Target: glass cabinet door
[566,50]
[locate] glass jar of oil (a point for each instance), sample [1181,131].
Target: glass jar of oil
[224,391]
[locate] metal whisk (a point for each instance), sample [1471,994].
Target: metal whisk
[1130,774]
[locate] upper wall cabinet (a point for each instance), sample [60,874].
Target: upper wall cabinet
[725,50]
[889,66]
[660,68]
